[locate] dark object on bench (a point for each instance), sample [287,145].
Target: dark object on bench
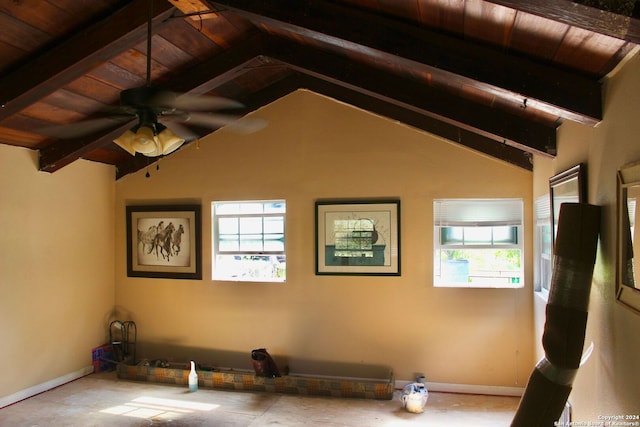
[263,364]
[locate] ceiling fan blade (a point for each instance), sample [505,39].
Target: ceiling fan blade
[188,102]
[247,125]
[180,129]
[214,121]
[84,127]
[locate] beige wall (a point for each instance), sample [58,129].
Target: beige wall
[56,267]
[608,383]
[317,148]
[57,277]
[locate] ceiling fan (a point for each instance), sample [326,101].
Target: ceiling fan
[155,108]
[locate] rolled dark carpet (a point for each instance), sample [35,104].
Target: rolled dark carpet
[551,381]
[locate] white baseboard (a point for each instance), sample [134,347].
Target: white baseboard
[40,388]
[399,384]
[467,388]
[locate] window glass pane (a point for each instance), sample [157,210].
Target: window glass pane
[228,242]
[249,208]
[274,224]
[508,235]
[274,207]
[228,225]
[251,268]
[274,242]
[477,235]
[481,267]
[250,225]
[249,241]
[452,235]
[226,208]
[542,244]
[545,239]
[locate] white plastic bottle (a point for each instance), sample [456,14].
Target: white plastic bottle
[193,377]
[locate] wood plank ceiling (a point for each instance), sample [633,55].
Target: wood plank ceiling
[497,76]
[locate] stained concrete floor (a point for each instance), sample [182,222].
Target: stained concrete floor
[104,400]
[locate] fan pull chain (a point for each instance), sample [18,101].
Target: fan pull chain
[148,174]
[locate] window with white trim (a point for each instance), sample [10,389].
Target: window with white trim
[249,241]
[543,250]
[478,243]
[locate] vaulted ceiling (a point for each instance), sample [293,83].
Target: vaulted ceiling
[497,76]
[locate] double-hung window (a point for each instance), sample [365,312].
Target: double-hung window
[478,243]
[249,241]
[543,250]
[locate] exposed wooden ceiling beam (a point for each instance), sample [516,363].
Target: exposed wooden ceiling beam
[410,117]
[56,156]
[575,14]
[551,89]
[425,108]
[375,105]
[218,69]
[440,112]
[431,102]
[78,55]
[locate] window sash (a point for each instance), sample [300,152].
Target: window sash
[250,234]
[248,240]
[485,237]
[542,243]
[472,226]
[249,207]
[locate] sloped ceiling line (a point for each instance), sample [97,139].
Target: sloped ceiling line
[375,86]
[78,55]
[492,123]
[486,122]
[410,117]
[302,80]
[551,89]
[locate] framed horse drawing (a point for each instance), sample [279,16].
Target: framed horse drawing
[164,241]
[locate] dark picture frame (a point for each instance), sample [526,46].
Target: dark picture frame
[567,186]
[358,237]
[164,241]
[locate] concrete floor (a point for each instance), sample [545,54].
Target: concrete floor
[104,400]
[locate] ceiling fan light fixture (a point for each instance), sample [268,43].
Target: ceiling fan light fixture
[169,141]
[153,105]
[144,141]
[147,140]
[125,142]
